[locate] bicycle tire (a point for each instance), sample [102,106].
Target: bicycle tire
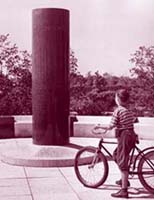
[146,172]
[91,168]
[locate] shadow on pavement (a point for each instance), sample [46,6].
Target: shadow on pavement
[141,192]
[137,193]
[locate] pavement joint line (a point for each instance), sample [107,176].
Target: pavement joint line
[43,177]
[69,184]
[31,193]
[19,195]
[10,178]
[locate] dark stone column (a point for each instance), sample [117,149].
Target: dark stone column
[50,72]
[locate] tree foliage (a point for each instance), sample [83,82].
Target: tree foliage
[143,70]
[143,59]
[15,79]
[92,94]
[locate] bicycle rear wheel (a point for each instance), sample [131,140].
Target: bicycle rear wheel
[91,167]
[146,171]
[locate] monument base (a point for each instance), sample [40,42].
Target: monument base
[22,152]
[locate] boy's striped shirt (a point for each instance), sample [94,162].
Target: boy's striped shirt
[122,118]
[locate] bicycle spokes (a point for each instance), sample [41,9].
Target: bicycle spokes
[91,167]
[146,171]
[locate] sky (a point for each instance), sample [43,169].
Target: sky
[103,33]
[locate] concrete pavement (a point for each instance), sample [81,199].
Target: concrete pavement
[60,183]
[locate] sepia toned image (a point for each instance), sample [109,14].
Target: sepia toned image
[76,99]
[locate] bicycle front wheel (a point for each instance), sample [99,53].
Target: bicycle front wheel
[146,171]
[91,167]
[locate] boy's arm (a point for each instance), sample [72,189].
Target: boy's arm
[113,122]
[100,129]
[109,127]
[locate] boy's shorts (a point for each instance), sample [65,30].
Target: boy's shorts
[126,141]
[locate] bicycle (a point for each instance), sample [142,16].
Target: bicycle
[92,168]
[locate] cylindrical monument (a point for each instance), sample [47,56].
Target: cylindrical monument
[50,76]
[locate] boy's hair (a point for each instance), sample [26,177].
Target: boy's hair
[123,95]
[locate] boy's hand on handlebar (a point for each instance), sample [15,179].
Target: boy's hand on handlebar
[98,129]
[98,126]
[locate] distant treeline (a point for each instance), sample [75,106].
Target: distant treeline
[89,95]
[94,94]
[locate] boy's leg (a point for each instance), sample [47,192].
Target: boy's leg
[124,177]
[122,161]
[123,193]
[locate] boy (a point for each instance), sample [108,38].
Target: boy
[122,120]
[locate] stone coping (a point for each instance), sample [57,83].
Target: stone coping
[23,152]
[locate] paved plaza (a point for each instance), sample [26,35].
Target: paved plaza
[60,183]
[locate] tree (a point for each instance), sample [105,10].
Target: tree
[88,95]
[73,66]
[143,59]
[15,69]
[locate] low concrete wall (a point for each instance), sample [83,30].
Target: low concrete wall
[23,125]
[84,125]
[82,128]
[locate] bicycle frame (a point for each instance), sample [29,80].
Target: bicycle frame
[141,153]
[133,158]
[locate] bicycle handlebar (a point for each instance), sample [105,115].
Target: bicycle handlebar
[99,131]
